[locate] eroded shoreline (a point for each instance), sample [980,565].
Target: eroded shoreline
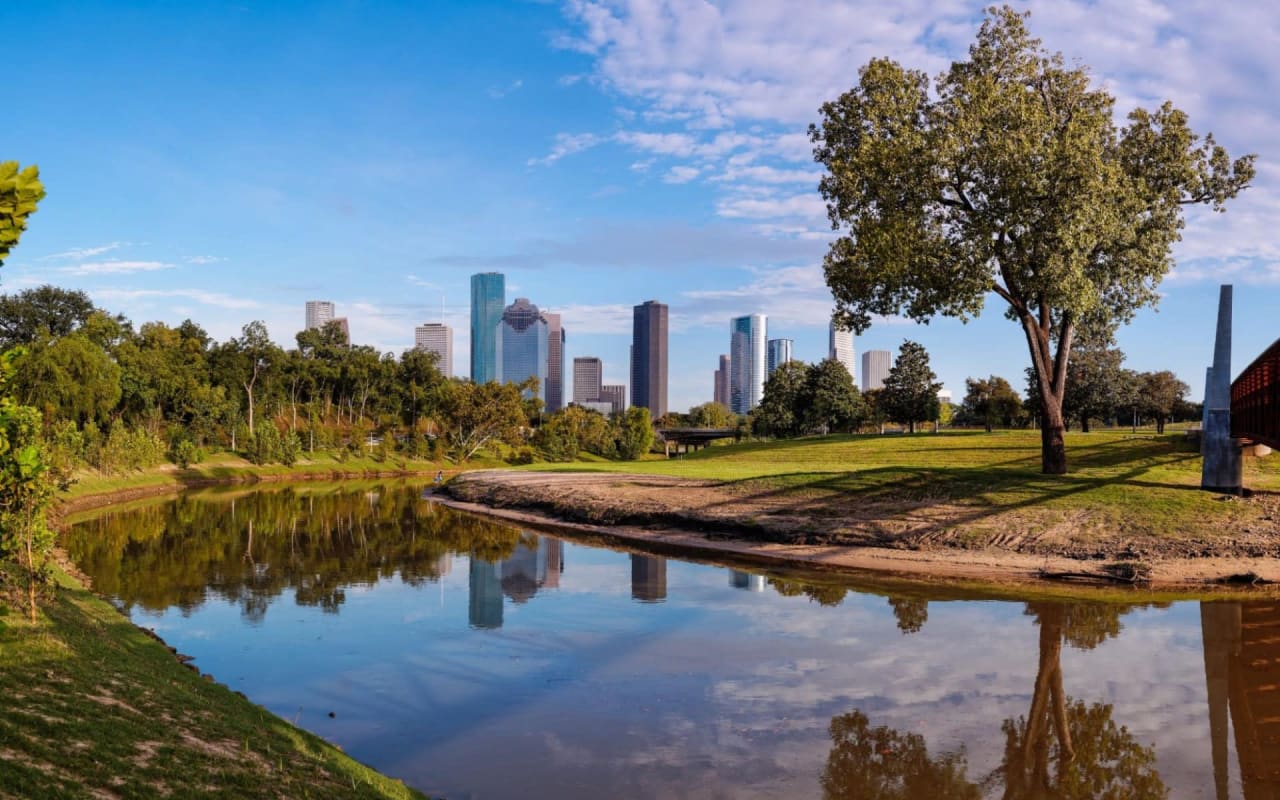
[704,517]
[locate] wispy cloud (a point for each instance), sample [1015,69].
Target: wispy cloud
[115,267]
[215,299]
[81,253]
[566,144]
[680,174]
[499,92]
[203,259]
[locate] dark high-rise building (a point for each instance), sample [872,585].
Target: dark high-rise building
[649,357]
[648,578]
[484,607]
[615,394]
[555,363]
[488,299]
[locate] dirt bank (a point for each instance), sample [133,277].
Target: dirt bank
[945,540]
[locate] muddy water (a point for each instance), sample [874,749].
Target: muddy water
[476,660]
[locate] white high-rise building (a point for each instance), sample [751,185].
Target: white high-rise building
[747,361]
[875,368]
[840,347]
[436,337]
[318,313]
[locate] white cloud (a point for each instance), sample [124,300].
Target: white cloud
[682,174]
[809,206]
[80,253]
[116,267]
[566,144]
[215,299]
[499,92]
[203,259]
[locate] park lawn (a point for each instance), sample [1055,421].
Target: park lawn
[96,708]
[1140,483]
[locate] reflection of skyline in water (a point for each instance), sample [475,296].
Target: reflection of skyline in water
[735,685]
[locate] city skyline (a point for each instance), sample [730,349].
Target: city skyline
[747,361]
[616,175]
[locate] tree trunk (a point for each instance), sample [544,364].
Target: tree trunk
[1084,424]
[911,426]
[1053,446]
[31,576]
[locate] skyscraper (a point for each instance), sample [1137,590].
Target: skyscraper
[722,382]
[746,361]
[484,595]
[436,337]
[615,394]
[318,313]
[649,357]
[588,372]
[648,578]
[522,345]
[779,353]
[840,347]
[488,297]
[875,368]
[555,363]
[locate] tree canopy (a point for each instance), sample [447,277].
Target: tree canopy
[20,193]
[1013,179]
[910,392]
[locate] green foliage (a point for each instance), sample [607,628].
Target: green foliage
[20,193]
[1010,177]
[568,432]
[782,406]
[633,433]
[882,764]
[43,312]
[711,415]
[265,446]
[991,402]
[185,453]
[126,450]
[834,404]
[910,391]
[26,488]
[69,378]
[1159,394]
[479,414]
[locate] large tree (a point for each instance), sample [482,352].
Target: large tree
[910,391]
[1160,393]
[991,401]
[1012,179]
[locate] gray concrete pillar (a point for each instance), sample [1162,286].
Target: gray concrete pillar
[1221,471]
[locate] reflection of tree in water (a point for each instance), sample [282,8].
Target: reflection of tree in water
[249,548]
[910,612]
[881,764]
[823,594]
[1062,749]
[1065,749]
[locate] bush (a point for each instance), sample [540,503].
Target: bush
[126,450]
[265,446]
[523,455]
[185,453]
[290,449]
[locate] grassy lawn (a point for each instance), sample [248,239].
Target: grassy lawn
[1140,483]
[96,708]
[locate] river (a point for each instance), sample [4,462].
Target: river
[477,660]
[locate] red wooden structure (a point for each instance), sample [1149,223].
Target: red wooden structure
[1255,400]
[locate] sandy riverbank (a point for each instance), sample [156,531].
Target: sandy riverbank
[939,540]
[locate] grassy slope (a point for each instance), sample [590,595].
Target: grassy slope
[1128,483]
[96,708]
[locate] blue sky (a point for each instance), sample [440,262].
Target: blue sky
[228,162]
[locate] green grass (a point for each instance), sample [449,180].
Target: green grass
[96,708]
[1126,483]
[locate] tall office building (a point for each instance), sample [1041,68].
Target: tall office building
[747,337]
[555,363]
[588,372]
[615,394]
[318,313]
[779,354]
[648,578]
[484,595]
[649,357]
[436,337]
[875,368]
[488,298]
[840,348]
[721,395]
[522,345]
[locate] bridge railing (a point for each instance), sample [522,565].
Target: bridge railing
[1255,399]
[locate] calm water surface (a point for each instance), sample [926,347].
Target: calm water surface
[476,660]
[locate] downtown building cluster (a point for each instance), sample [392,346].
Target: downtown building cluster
[511,343]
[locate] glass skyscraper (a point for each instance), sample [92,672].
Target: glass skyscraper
[746,362]
[649,357]
[488,298]
[522,338]
[779,353]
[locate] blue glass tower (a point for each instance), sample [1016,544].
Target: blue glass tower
[488,298]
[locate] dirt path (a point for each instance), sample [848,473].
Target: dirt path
[846,533]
